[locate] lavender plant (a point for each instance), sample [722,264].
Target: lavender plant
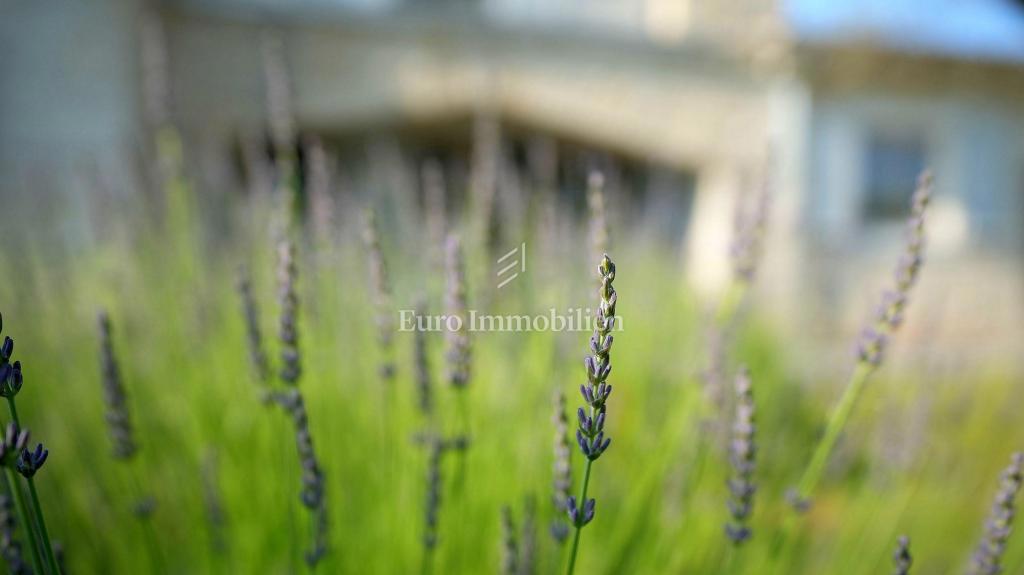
[421,360]
[437,447]
[562,468]
[590,433]
[213,501]
[292,402]
[750,222]
[872,343]
[901,559]
[749,226]
[458,350]
[288,299]
[433,500]
[380,289]
[119,424]
[254,336]
[742,456]
[509,547]
[10,548]
[312,495]
[15,457]
[988,556]
[13,442]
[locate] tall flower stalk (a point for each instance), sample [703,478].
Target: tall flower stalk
[121,431]
[288,299]
[253,333]
[312,495]
[13,442]
[509,546]
[119,423]
[458,350]
[743,457]
[291,400]
[421,360]
[561,468]
[458,353]
[17,459]
[437,447]
[750,223]
[590,432]
[380,290]
[871,346]
[988,556]
[10,548]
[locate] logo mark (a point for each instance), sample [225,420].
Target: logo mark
[512,265]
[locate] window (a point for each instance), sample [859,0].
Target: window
[893,162]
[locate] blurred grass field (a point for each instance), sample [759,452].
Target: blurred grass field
[921,456]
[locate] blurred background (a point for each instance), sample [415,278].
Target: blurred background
[678,101]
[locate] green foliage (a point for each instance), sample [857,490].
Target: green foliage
[919,456]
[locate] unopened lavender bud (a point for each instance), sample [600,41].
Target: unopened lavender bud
[31,461]
[901,558]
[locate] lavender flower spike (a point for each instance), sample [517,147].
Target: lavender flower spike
[380,289]
[989,553]
[590,431]
[901,558]
[118,417]
[562,468]
[254,337]
[424,383]
[287,275]
[890,313]
[509,548]
[742,456]
[313,482]
[871,346]
[458,353]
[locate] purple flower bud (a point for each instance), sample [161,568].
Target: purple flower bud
[588,511]
[582,441]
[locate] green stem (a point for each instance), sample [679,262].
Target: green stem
[14,411]
[428,561]
[19,503]
[581,503]
[37,509]
[836,423]
[462,416]
[51,558]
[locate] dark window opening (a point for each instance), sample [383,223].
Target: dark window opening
[892,165]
